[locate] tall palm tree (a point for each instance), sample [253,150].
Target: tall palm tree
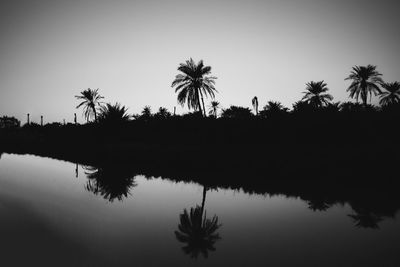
[196,231]
[365,80]
[392,94]
[254,102]
[194,84]
[90,102]
[213,109]
[316,94]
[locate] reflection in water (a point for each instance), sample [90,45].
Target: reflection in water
[109,181]
[197,231]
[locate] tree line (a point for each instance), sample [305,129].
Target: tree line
[194,83]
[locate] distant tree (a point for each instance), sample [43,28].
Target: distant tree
[254,102]
[90,102]
[9,122]
[162,113]
[392,94]
[332,107]
[302,107]
[114,114]
[237,112]
[194,84]
[316,94]
[213,109]
[273,108]
[146,112]
[365,80]
[350,107]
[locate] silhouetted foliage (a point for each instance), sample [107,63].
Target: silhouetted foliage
[332,108]
[213,109]
[162,114]
[348,107]
[113,114]
[236,112]
[303,107]
[90,102]
[273,109]
[365,80]
[316,94]
[194,84]
[392,94]
[9,122]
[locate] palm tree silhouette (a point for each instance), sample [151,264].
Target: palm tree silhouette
[273,108]
[254,102]
[163,113]
[213,108]
[196,231]
[316,94]
[392,94]
[91,101]
[114,114]
[365,80]
[193,84]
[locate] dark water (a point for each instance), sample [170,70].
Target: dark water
[55,213]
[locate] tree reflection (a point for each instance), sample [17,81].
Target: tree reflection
[197,232]
[109,181]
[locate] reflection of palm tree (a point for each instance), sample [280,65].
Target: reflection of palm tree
[213,109]
[110,181]
[392,94]
[366,219]
[197,232]
[91,100]
[365,81]
[316,94]
[193,83]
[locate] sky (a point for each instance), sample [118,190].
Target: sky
[51,50]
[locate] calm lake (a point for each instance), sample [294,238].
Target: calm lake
[57,213]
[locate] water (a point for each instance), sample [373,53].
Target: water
[55,213]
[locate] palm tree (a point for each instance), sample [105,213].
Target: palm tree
[196,231]
[365,80]
[193,84]
[392,94]
[114,114]
[162,113]
[316,94]
[236,112]
[273,108]
[91,101]
[213,109]
[254,102]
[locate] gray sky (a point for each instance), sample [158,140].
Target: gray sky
[51,50]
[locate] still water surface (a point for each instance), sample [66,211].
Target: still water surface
[55,213]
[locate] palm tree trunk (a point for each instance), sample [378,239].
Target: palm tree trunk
[198,101]
[202,100]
